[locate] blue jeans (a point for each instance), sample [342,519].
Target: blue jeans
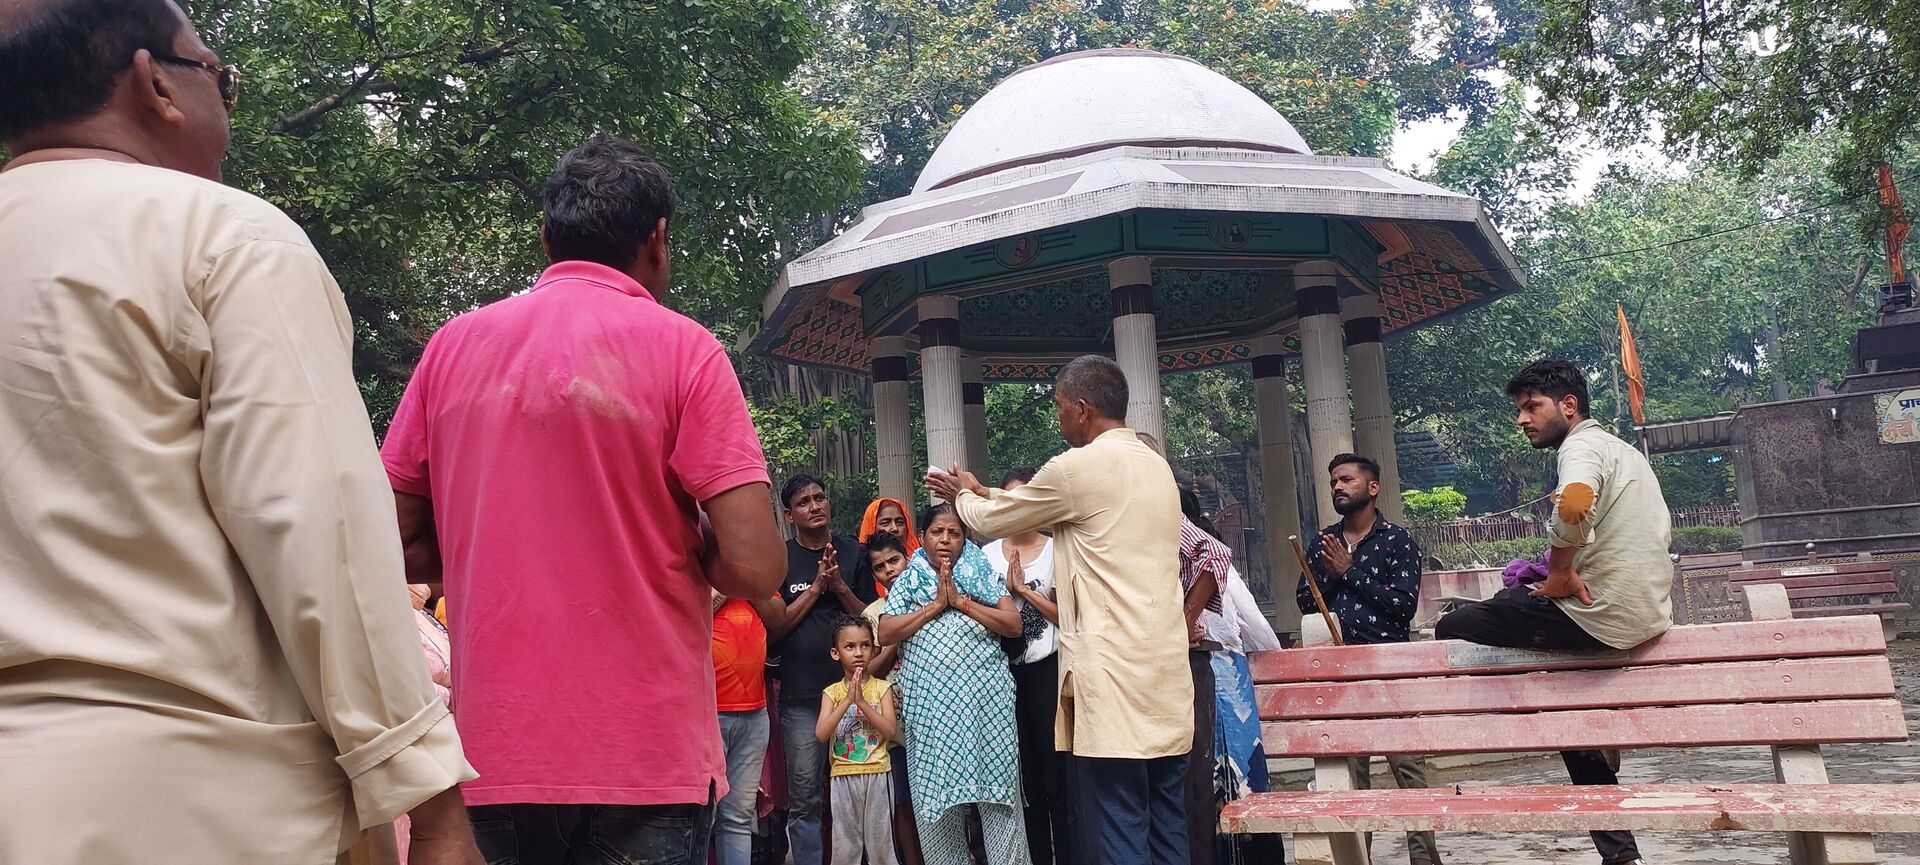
[1134,812]
[806,779]
[592,834]
[743,735]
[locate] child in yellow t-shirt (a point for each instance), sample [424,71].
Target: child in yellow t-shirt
[857,720]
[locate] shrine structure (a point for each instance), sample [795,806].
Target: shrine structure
[1139,205]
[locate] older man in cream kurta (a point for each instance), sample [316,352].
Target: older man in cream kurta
[1126,695]
[206,651]
[206,654]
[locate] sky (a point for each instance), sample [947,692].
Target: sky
[1415,146]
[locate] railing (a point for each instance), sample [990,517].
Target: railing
[1509,528]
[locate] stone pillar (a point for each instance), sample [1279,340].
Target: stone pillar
[1323,362]
[1279,506]
[1372,408]
[1136,343]
[892,428]
[973,396]
[940,381]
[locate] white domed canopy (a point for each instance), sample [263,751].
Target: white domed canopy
[1094,100]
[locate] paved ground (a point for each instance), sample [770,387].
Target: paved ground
[1845,763]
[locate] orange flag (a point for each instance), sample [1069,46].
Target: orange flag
[1630,364]
[1896,225]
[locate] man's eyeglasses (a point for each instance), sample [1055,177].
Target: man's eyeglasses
[228,77]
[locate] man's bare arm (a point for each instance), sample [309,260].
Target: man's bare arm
[778,618]
[1200,596]
[418,540]
[744,557]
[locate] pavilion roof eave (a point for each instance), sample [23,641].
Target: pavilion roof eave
[810,315]
[827,264]
[836,260]
[1108,184]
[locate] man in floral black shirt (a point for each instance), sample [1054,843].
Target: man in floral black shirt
[1368,568]
[1369,574]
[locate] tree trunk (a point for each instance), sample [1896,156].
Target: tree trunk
[1771,336]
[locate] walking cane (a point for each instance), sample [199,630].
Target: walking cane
[1306,571]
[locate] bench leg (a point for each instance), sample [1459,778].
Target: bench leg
[1345,848]
[1802,764]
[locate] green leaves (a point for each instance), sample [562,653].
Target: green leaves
[1738,79]
[1426,508]
[904,70]
[1766,289]
[411,139]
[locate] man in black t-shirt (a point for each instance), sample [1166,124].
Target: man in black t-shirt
[828,576]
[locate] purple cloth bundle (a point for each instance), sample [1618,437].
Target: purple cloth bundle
[1520,572]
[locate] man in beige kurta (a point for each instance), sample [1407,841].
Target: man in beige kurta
[206,654]
[1126,694]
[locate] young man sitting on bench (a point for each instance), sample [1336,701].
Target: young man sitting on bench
[1609,583]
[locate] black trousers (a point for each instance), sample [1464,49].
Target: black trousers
[1196,784]
[592,834]
[1514,619]
[1043,769]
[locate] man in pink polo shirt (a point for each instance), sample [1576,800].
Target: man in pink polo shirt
[552,459]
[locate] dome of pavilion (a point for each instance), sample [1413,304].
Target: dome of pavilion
[1095,100]
[1069,166]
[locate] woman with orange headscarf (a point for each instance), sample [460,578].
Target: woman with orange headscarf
[890,516]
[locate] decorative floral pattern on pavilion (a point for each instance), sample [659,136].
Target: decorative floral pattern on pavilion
[825,332]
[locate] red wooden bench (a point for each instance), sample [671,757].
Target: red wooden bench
[1791,684]
[1825,590]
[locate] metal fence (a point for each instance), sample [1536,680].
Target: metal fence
[1518,527]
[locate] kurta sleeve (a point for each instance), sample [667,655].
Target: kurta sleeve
[1579,466]
[294,479]
[1044,501]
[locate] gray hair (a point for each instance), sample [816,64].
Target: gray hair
[1099,381]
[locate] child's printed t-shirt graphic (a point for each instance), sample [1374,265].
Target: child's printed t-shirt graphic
[858,749]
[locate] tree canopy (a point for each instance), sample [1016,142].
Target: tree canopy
[411,140]
[1743,79]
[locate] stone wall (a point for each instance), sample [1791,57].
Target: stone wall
[1815,470]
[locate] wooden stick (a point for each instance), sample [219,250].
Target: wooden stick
[1306,570]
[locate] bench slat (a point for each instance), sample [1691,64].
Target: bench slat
[1849,609]
[1859,808]
[1811,723]
[1858,677]
[1686,644]
[1842,591]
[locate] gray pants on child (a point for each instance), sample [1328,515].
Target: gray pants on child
[862,819]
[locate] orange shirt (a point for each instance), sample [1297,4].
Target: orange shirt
[739,657]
